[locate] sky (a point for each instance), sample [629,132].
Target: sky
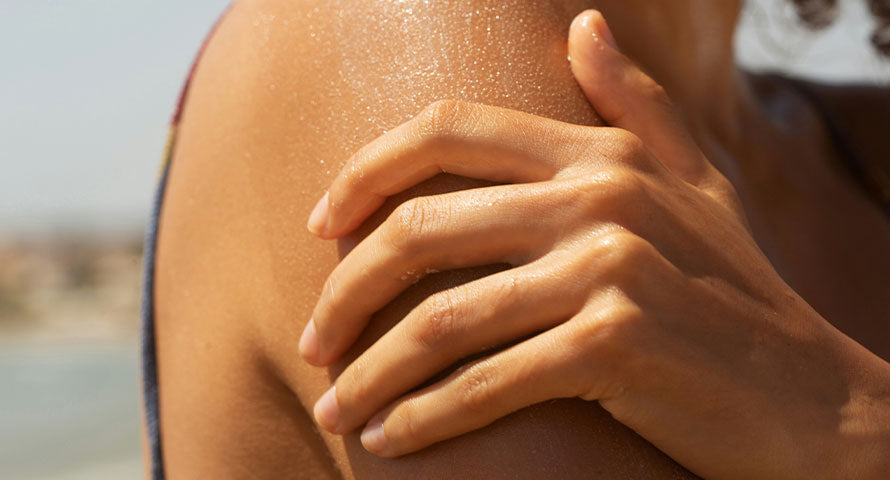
[87,88]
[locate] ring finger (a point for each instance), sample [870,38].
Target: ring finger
[446,327]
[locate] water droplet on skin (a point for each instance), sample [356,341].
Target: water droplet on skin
[426,51]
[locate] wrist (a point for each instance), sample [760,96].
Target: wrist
[863,423]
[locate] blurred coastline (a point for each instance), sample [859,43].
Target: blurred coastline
[69,356]
[70,288]
[89,87]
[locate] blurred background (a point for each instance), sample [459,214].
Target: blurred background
[86,91]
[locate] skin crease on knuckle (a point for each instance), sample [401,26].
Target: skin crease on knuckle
[606,329]
[445,119]
[440,317]
[285,93]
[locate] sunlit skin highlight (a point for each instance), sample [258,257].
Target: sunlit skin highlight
[288,92]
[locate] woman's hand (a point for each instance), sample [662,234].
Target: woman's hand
[635,283]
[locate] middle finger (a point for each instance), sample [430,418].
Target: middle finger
[502,224]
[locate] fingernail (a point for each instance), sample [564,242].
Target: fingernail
[601,28]
[592,22]
[309,342]
[373,438]
[318,219]
[326,410]
[583,20]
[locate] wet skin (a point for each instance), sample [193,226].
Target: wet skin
[283,96]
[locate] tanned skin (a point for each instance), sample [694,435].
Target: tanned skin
[288,90]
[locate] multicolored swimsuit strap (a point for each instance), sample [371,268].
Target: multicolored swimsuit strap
[149,346]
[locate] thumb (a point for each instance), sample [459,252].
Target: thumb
[629,99]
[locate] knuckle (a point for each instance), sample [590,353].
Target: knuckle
[438,321]
[620,182]
[411,218]
[443,118]
[723,185]
[476,388]
[626,317]
[586,136]
[614,192]
[723,188]
[409,223]
[633,250]
[625,334]
[506,295]
[403,426]
[628,149]
[624,256]
[611,336]
[626,143]
[613,329]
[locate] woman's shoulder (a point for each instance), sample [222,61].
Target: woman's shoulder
[284,93]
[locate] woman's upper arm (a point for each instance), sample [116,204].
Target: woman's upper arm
[286,91]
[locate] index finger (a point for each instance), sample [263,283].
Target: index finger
[470,140]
